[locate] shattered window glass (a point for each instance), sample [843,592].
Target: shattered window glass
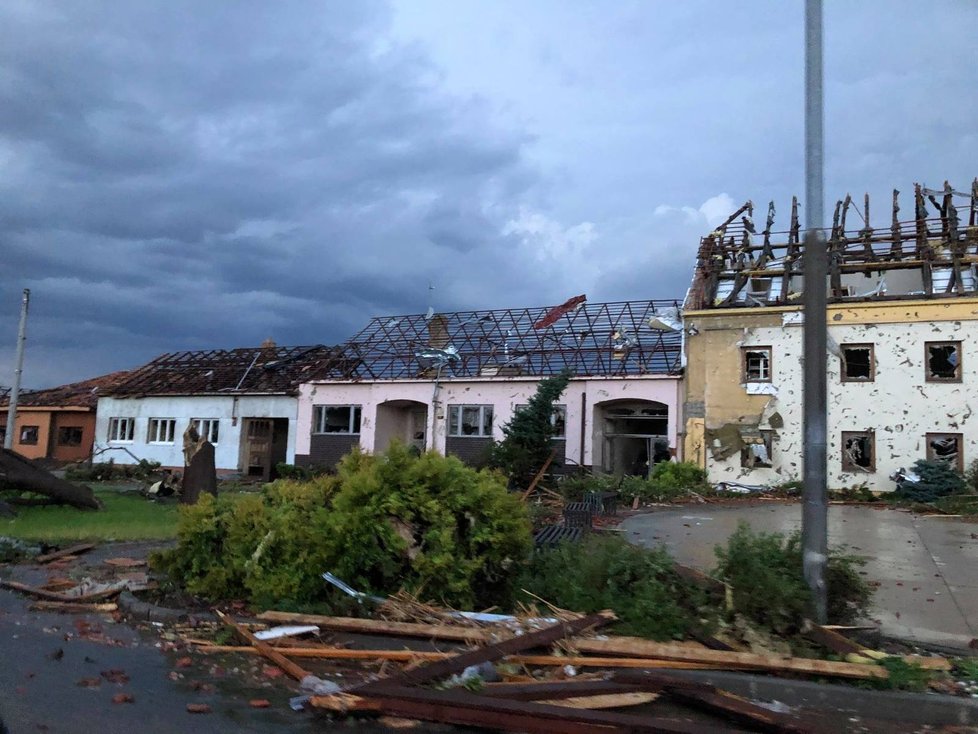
[757,453]
[28,435]
[470,420]
[944,361]
[858,452]
[757,364]
[857,362]
[337,419]
[558,419]
[946,447]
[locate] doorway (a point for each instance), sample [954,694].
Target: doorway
[264,446]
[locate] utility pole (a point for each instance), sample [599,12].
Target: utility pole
[814,517]
[8,439]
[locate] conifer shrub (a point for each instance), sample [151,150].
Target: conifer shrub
[937,479]
[428,524]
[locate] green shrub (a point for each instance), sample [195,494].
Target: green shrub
[109,470]
[291,471]
[855,493]
[639,584]
[574,488]
[971,476]
[768,585]
[668,481]
[937,479]
[429,524]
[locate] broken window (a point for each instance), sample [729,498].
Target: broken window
[208,428]
[858,363]
[28,435]
[558,419]
[759,289]
[858,451]
[470,421]
[161,430]
[121,429]
[758,451]
[943,361]
[69,436]
[757,364]
[946,447]
[336,419]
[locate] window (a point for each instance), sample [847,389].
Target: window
[946,447]
[558,419]
[758,451]
[757,364]
[470,420]
[121,429]
[858,363]
[28,435]
[858,451]
[336,419]
[943,361]
[69,436]
[161,430]
[207,428]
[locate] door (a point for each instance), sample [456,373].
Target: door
[419,429]
[258,447]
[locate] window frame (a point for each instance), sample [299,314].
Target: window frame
[932,456]
[843,371]
[22,430]
[62,429]
[354,421]
[114,423]
[958,367]
[767,435]
[214,426]
[455,412]
[850,467]
[152,436]
[559,409]
[745,377]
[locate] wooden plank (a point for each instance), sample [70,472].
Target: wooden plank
[831,639]
[73,550]
[71,607]
[554,690]
[383,627]
[53,596]
[739,711]
[458,663]
[607,701]
[539,475]
[288,667]
[461,707]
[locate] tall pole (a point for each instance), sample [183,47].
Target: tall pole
[8,438]
[814,518]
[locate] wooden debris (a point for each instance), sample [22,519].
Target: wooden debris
[383,627]
[842,645]
[539,475]
[72,607]
[290,668]
[606,701]
[17,472]
[74,550]
[52,596]
[124,562]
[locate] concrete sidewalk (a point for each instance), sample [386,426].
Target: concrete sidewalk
[926,566]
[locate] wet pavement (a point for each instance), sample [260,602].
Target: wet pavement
[926,565]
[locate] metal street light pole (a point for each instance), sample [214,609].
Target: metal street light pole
[8,439]
[814,518]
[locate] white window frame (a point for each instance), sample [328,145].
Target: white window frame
[765,368]
[208,428]
[353,424]
[161,431]
[121,430]
[455,413]
[560,410]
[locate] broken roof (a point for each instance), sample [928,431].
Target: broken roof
[268,369]
[84,394]
[590,339]
[933,255]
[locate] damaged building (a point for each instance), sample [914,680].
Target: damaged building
[244,401]
[902,325]
[451,381]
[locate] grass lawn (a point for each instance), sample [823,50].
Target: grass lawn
[125,516]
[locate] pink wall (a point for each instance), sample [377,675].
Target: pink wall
[502,393]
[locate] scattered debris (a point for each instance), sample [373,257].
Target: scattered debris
[123,698]
[294,631]
[198,708]
[259,703]
[74,550]
[125,562]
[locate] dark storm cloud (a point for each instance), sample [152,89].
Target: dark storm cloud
[186,174]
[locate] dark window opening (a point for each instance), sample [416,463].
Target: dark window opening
[946,447]
[858,452]
[69,436]
[757,364]
[28,435]
[758,452]
[857,363]
[944,361]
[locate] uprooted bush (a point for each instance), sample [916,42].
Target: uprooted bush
[640,584]
[427,524]
[668,481]
[764,571]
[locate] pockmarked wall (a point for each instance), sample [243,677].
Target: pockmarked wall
[899,406]
[229,410]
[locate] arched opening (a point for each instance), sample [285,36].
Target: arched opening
[404,420]
[631,436]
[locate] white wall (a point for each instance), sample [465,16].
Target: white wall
[229,409]
[900,406]
[504,394]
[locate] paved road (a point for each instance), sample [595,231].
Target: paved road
[927,566]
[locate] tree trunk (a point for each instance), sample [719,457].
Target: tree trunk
[199,475]
[20,474]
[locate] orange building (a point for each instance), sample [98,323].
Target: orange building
[57,423]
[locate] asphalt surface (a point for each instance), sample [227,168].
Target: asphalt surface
[926,566]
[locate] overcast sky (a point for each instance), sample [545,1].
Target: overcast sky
[190,175]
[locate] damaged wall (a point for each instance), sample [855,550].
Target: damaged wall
[890,412]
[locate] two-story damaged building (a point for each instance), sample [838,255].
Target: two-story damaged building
[451,381]
[902,334]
